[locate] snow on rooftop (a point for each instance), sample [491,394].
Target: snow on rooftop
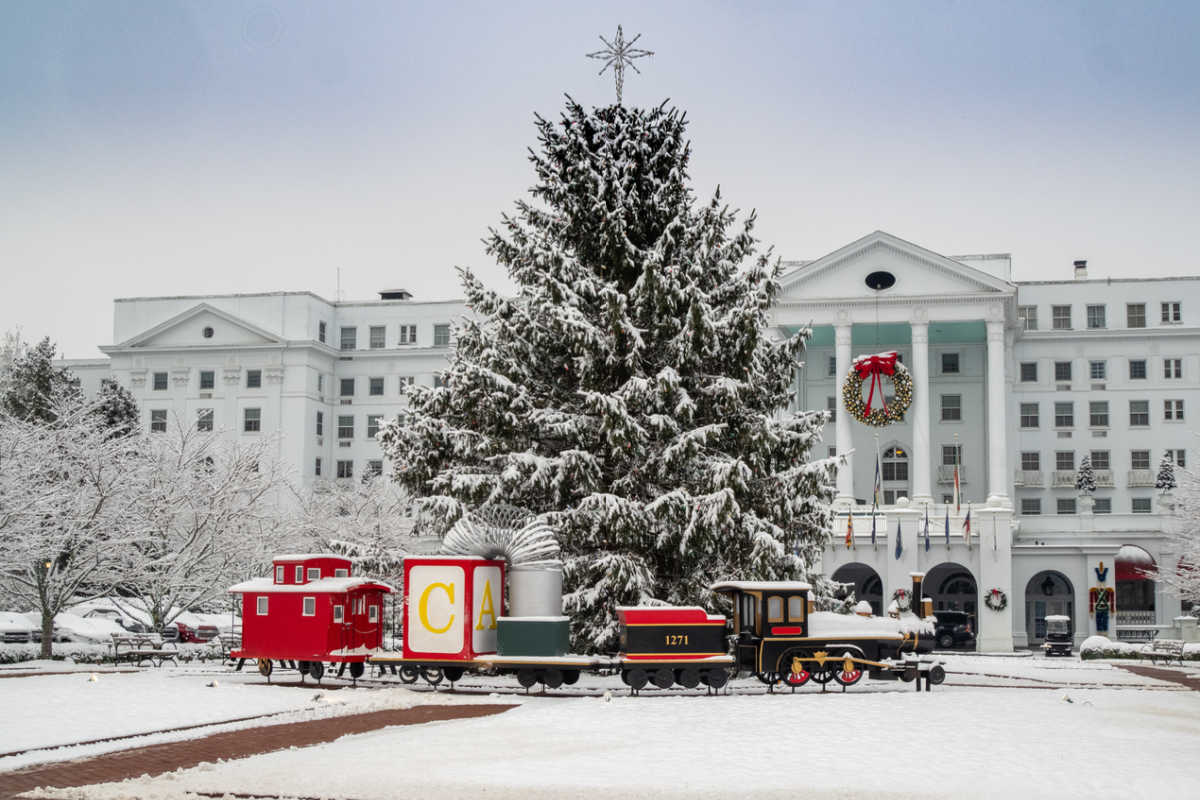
[309,556]
[761,586]
[319,586]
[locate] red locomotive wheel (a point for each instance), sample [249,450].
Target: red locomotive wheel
[797,678]
[848,678]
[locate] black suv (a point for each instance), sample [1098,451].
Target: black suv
[953,629]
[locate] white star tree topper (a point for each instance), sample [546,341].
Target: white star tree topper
[618,54]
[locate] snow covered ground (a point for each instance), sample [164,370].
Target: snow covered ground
[878,739]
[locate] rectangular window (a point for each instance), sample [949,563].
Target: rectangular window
[1173,410]
[831,407]
[346,426]
[1064,415]
[1137,369]
[378,337]
[373,425]
[951,408]
[279,574]
[1066,505]
[1031,461]
[341,573]
[408,334]
[207,380]
[1139,413]
[405,382]
[949,363]
[1062,371]
[1029,372]
[1177,457]
[1027,317]
[204,419]
[374,468]
[320,423]
[1029,415]
[441,335]
[349,339]
[314,573]
[310,607]
[1031,506]
[252,420]
[1141,505]
[1060,318]
[1135,315]
[375,387]
[158,420]
[951,455]
[373,615]
[1064,460]
[320,331]
[1095,318]
[894,470]
[160,381]
[320,384]
[254,379]
[317,467]
[261,605]
[1100,459]
[339,613]
[832,366]
[1098,370]
[299,574]
[1103,505]
[1172,313]
[1172,368]
[1098,413]
[346,387]
[1139,459]
[345,469]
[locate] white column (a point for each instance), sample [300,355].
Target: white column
[845,476]
[920,460]
[997,447]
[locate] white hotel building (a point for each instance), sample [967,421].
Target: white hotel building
[1024,379]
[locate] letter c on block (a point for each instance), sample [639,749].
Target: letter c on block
[423,608]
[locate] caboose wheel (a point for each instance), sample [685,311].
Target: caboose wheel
[937,674]
[356,669]
[552,678]
[316,669]
[302,668]
[526,676]
[663,677]
[570,676]
[265,667]
[432,675]
[408,674]
[636,678]
[716,678]
[453,674]
[688,678]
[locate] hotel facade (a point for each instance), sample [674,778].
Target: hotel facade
[1014,383]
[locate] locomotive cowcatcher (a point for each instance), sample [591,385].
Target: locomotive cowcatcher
[311,611]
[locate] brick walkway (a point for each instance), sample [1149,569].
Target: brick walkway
[159,758]
[1163,675]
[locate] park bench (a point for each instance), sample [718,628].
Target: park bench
[1166,649]
[227,643]
[142,648]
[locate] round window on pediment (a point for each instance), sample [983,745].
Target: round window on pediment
[880,280]
[208,332]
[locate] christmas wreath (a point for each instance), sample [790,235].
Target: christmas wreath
[876,368]
[903,599]
[996,600]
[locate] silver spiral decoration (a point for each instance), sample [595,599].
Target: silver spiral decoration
[516,538]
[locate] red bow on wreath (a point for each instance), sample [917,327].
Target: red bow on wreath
[876,366]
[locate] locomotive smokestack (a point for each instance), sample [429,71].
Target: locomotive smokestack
[918,602]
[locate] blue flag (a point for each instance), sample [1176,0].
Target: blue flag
[926,529]
[872,527]
[899,546]
[947,527]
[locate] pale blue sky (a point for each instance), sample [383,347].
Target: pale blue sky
[199,147]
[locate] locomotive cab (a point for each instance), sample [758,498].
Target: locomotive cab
[764,609]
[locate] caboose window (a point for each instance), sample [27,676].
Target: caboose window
[279,574]
[774,609]
[299,574]
[310,606]
[796,608]
[339,613]
[341,573]
[262,606]
[314,573]
[374,615]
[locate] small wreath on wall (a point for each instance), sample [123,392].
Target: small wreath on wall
[876,368]
[996,600]
[903,599]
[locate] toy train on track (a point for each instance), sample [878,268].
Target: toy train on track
[312,612]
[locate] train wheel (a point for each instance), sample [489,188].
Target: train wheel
[688,678]
[432,675]
[408,674]
[302,668]
[552,678]
[356,669]
[797,678]
[453,674]
[570,676]
[769,678]
[824,673]
[636,678]
[316,669]
[265,667]
[716,678]
[937,674]
[663,677]
[526,677]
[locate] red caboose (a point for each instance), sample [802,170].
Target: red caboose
[312,610]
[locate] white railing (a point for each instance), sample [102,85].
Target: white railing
[1028,477]
[1104,478]
[1141,478]
[1063,478]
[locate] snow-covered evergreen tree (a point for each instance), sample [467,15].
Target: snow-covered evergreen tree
[118,409]
[1085,479]
[1181,570]
[35,387]
[1166,475]
[631,394]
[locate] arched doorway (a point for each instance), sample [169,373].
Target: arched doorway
[952,587]
[864,582]
[1047,593]
[1135,592]
[894,474]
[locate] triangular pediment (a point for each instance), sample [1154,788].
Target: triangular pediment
[188,329]
[918,272]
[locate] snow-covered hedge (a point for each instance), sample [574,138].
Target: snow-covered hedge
[1103,647]
[90,653]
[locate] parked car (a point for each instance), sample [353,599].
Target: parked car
[127,623]
[17,629]
[182,632]
[70,627]
[954,629]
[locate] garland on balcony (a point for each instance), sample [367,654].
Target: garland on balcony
[876,368]
[996,600]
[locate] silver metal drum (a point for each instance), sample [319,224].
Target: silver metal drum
[535,590]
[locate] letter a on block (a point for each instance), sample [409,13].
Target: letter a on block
[424,606]
[486,608]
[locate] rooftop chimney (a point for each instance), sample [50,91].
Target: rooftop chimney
[395,294]
[1081,270]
